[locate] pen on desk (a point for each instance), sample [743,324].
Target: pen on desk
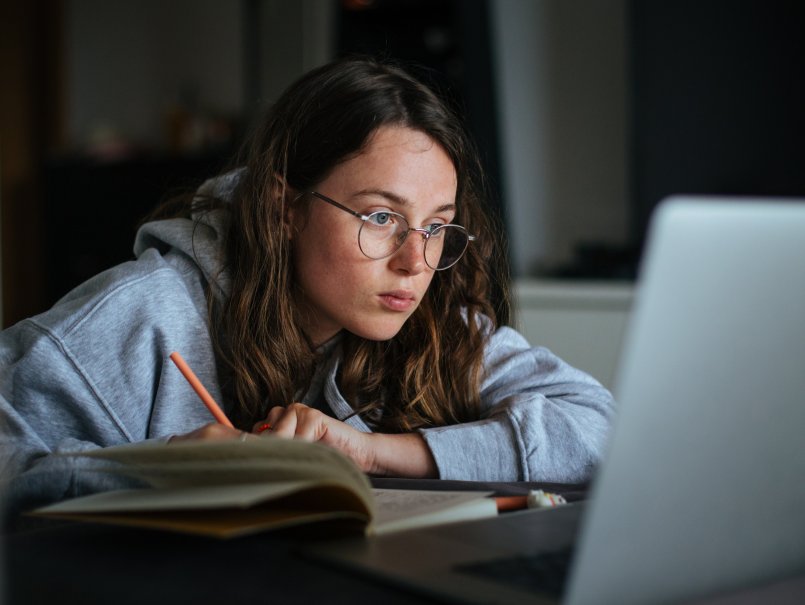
[205,396]
[535,499]
[511,502]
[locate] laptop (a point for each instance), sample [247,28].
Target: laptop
[702,490]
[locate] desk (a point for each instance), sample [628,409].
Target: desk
[91,564]
[97,565]
[94,564]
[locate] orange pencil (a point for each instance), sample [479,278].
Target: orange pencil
[205,396]
[536,499]
[511,502]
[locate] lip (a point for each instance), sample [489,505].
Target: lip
[398,300]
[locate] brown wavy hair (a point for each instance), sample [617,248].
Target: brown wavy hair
[429,373]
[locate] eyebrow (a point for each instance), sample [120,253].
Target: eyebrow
[399,200]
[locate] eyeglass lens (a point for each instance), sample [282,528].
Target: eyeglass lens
[382,233]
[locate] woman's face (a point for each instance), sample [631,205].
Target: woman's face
[401,170]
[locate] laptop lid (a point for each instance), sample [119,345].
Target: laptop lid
[702,490]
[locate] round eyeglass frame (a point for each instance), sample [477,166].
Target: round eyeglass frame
[400,239]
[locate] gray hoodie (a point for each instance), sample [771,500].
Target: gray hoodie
[94,372]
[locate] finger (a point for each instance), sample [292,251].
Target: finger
[262,427]
[284,423]
[267,424]
[274,414]
[311,424]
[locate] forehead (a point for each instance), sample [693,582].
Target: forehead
[404,162]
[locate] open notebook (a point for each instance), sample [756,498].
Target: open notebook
[702,489]
[230,488]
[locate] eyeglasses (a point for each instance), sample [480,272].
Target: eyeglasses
[382,233]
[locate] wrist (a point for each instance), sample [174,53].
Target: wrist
[372,462]
[403,455]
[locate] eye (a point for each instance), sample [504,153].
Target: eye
[381,219]
[433,227]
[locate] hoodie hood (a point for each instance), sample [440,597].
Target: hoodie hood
[200,238]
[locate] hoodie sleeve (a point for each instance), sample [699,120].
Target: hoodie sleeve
[45,403]
[94,372]
[543,420]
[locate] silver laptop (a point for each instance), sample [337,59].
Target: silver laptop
[703,488]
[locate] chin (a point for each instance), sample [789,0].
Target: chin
[378,333]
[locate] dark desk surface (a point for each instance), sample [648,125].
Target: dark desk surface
[93,564]
[57,562]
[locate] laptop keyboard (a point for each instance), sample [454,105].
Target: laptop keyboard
[543,573]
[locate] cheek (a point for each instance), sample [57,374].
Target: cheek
[324,259]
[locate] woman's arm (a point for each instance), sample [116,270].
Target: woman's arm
[543,420]
[91,373]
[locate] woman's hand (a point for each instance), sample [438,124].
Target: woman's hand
[298,421]
[405,455]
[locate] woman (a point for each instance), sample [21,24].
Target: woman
[337,287]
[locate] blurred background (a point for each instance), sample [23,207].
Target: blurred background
[587,112]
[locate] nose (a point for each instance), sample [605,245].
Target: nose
[410,257]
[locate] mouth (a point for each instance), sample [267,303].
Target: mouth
[398,300]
